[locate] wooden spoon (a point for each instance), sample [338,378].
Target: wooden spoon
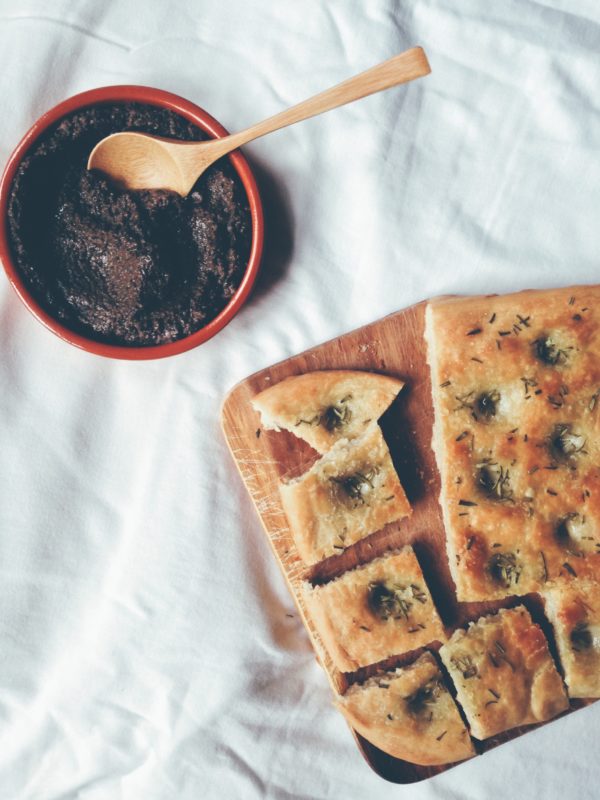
[141,161]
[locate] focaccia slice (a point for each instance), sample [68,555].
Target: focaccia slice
[351,492]
[410,714]
[324,406]
[516,385]
[378,610]
[574,610]
[504,673]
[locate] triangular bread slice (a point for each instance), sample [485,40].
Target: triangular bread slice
[410,714]
[375,611]
[324,406]
[351,492]
[504,673]
[573,608]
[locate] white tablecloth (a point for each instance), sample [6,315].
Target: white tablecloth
[149,649]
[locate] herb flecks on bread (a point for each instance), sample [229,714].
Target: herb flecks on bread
[351,492]
[573,607]
[516,382]
[324,406]
[375,611]
[503,672]
[410,714]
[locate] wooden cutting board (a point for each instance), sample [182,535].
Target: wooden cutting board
[394,346]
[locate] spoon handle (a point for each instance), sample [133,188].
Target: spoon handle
[400,69]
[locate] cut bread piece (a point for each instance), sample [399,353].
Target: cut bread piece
[348,494]
[504,673]
[375,611]
[324,406]
[573,608]
[410,714]
[516,385]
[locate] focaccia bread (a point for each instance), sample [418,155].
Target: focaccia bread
[516,391]
[574,610]
[410,714]
[504,673]
[324,406]
[378,610]
[351,492]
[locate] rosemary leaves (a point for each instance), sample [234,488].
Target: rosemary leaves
[548,352]
[392,600]
[464,664]
[420,701]
[486,405]
[332,417]
[505,569]
[493,480]
[581,637]
[357,486]
[564,444]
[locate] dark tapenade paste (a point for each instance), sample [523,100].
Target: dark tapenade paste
[126,268]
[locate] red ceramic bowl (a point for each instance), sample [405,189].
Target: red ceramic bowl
[154,97]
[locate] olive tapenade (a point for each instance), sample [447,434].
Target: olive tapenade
[122,267]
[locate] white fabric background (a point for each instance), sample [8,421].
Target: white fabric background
[147,650]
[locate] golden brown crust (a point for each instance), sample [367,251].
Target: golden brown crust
[348,494]
[370,613]
[324,406]
[409,714]
[574,609]
[516,382]
[503,673]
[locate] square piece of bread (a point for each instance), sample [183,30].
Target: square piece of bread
[324,406]
[375,611]
[516,394]
[351,492]
[504,673]
[410,714]
[574,610]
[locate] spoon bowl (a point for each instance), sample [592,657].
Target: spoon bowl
[142,161]
[150,164]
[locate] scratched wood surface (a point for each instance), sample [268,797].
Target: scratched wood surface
[393,346]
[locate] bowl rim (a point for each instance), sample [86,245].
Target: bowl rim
[202,119]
